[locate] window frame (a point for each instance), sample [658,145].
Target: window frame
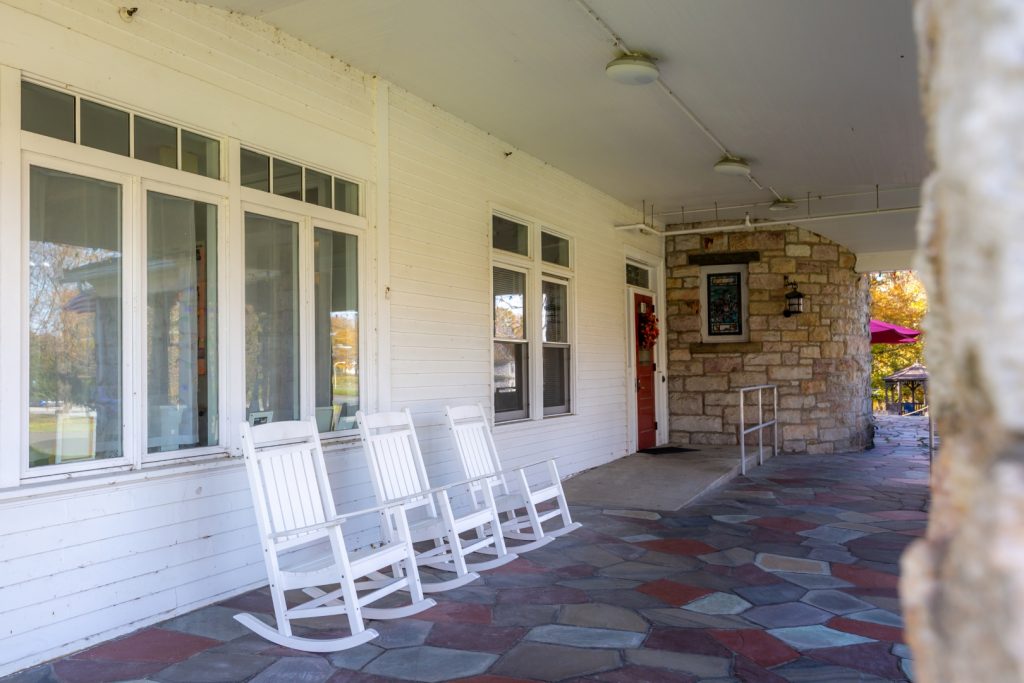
[537,271]
[313,217]
[129,291]
[20,150]
[223,422]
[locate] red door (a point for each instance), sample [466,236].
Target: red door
[647,427]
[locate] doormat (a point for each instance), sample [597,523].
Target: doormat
[666,450]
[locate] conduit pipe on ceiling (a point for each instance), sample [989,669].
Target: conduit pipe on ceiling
[621,45]
[795,222]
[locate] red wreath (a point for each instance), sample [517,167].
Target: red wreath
[648,330]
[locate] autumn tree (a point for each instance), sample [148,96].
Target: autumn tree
[897,297]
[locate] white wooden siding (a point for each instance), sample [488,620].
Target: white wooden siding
[80,562]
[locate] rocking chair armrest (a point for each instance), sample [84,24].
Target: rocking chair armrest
[338,520]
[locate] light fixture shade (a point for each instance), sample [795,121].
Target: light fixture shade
[632,69]
[730,165]
[783,204]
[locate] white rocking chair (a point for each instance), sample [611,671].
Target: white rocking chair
[475,445]
[303,546]
[399,476]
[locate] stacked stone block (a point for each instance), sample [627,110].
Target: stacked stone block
[820,359]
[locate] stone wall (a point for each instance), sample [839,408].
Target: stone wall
[820,359]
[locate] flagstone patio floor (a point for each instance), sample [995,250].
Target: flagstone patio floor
[787,574]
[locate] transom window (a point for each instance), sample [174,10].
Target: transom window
[74,118]
[531,285]
[270,174]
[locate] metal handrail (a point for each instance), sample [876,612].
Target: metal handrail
[761,424]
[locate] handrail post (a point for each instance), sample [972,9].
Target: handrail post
[743,439]
[761,425]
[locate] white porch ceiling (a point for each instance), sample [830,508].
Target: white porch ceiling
[820,96]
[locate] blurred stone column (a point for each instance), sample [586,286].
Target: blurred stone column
[963,585]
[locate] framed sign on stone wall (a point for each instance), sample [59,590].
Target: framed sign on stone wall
[723,296]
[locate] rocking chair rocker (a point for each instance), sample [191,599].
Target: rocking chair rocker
[304,548]
[479,458]
[399,477]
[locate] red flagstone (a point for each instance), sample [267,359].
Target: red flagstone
[493,679]
[689,640]
[467,612]
[761,648]
[150,645]
[576,571]
[867,629]
[862,576]
[673,592]
[784,523]
[86,671]
[750,672]
[872,658]
[476,637]
[679,546]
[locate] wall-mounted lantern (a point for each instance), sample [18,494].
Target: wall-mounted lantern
[794,300]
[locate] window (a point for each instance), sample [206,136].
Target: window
[336,320]
[638,276]
[295,181]
[54,114]
[555,300]
[510,346]
[181,323]
[277,387]
[75,317]
[531,289]
[125,273]
[271,319]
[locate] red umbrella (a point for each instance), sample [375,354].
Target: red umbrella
[887,333]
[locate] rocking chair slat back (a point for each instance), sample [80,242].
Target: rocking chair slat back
[295,491]
[395,460]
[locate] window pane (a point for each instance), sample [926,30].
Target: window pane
[509,236]
[336,290]
[554,299]
[637,276]
[74,318]
[271,319]
[318,188]
[181,334]
[287,179]
[200,154]
[47,112]
[556,379]
[509,303]
[346,196]
[255,170]
[156,142]
[510,395]
[105,128]
[554,249]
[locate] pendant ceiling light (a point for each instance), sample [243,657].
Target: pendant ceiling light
[635,68]
[782,204]
[730,165]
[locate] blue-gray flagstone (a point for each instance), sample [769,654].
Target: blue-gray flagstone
[579,636]
[719,603]
[816,636]
[431,664]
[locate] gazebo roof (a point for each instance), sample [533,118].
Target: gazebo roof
[911,373]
